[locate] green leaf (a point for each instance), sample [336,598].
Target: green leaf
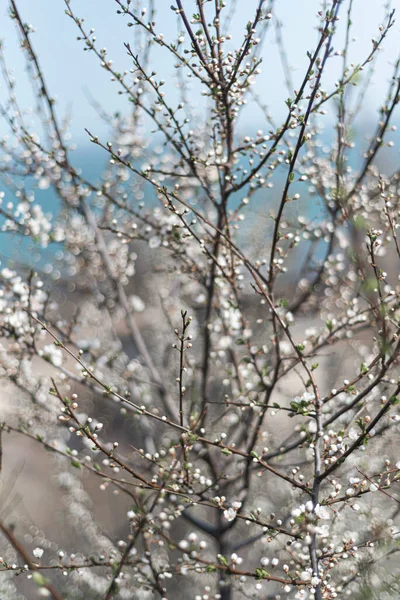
[210,569]
[261,573]
[226,451]
[39,579]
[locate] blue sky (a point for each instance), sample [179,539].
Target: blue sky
[71,72]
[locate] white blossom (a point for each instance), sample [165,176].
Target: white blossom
[322,512]
[38,552]
[230,514]
[53,354]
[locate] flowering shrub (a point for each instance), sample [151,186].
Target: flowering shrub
[214,373]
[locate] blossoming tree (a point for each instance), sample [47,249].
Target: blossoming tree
[213,354]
